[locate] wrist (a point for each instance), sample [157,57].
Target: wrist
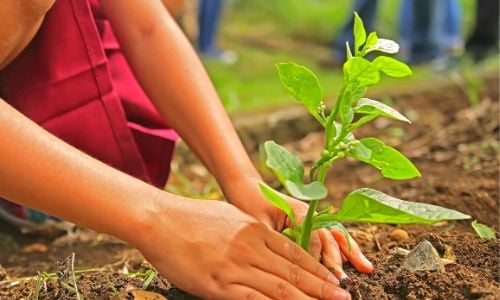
[155,208]
[244,193]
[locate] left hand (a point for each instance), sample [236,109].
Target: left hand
[329,246]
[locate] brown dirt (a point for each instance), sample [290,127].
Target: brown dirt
[455,147]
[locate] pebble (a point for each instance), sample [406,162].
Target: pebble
[424,257]
[399,235]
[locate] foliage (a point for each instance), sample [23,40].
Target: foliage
[351,111]
[483,231]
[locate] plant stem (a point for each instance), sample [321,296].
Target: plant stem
[308,222]
[307,226]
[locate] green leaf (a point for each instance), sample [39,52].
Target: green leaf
[346,112]
[284,164]
[483,231]
[363,120]
[371,40]
[359,33]
[360,71]
[275,198]
[360,151]
[290,233]
[371,206]
[307,192]
[385,46]
[356,92]
[392,67]
[348,53]
[303,85]
[334,225]
[150,276]
[352,94]
[333,133]
[392,163]
[372,107]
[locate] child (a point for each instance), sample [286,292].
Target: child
[62,66]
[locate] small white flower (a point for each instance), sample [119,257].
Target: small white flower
[384,45]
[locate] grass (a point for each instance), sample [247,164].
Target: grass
[265,32]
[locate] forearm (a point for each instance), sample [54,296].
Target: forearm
[40,171]
[174,78]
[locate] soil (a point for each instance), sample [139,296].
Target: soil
[454,146]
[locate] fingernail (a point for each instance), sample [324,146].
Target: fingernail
[343,275]
[339,273]
[366,261]
[332,279]
[342,294]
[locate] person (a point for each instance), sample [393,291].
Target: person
[86,88]
[209,13]
[430,30]
[484,37]
[367,10]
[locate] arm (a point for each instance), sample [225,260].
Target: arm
[175,80]
[40,171]
[179,87]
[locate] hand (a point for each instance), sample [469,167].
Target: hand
[213,250]
[331,246]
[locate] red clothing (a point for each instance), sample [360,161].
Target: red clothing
[75,82]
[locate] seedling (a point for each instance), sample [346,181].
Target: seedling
[483,231]
[148,276]
[350,112]
[38,286]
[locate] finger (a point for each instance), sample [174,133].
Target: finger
[352,252]
[238,291]
[286,249]
[315,245]
[284,280]
[331,255]
[344,259]
[272,286]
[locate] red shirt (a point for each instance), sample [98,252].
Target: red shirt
[74,81]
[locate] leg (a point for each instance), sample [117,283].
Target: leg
[485,35]
[426,30]
[367,10]
[208,20]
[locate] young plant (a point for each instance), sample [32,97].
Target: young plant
[350,112]
[483,231]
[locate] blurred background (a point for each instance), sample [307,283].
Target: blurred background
[241,40]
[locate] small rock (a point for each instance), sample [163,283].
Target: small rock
[399,235]
[424,257]
[35,248]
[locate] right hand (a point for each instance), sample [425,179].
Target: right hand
[213,250]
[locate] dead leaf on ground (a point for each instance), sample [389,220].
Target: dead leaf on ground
[138,295]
